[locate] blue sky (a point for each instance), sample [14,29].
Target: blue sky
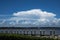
[7,7]
[31,12]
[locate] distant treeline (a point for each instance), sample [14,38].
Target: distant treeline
[21,37]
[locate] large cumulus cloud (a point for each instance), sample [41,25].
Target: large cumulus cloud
[35,17]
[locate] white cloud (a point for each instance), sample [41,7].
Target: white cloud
[34,13]
[35,17]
